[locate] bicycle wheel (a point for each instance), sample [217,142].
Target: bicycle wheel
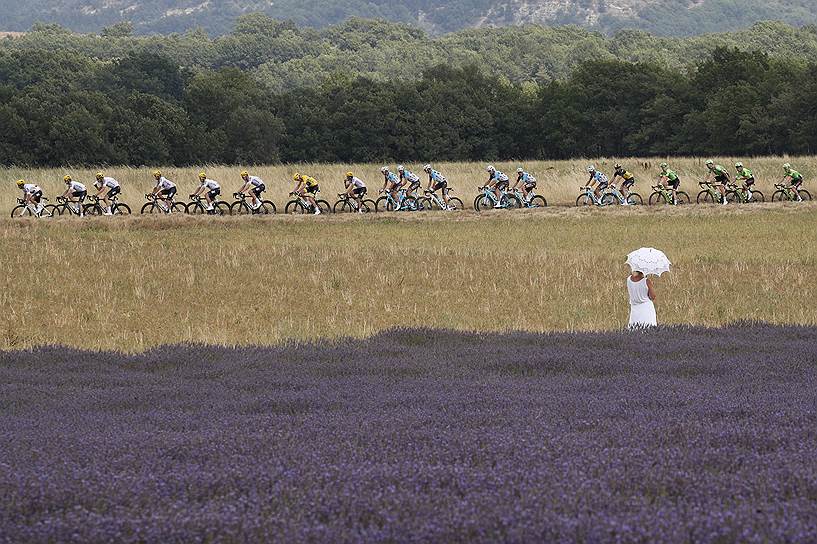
[483,202]
[705,197]
[324,206]
[51,211]
[21,210]
[538,201]
[179,207]
[150,207]
[513,202]
[410,204]
[120,209]
[733,197]
[609,199]
[266,208]
[294,206]
[342,206]
[455,203]
[383,204]
[239,207]
[682,198]
[221,208]
[584,200]
[805,195]
[634,199]
[779,196]
[196,208]
[93,209]
[757,196]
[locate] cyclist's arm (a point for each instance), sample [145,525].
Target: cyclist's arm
[199,190]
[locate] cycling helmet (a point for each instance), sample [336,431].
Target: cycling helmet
[617,166]
[245,174]
[20,182]
[520,171]
[400,168]
[663,166]
[350,174]
[491,168]
[591,169]
[202,175]
[787,167]
[738,165]
[296,177]
[710,162]
[427,168]
[66,179]
[384,170]
[157,174]
[100,175]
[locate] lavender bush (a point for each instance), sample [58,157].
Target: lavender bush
[675,435]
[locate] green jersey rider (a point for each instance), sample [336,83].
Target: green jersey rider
[745,177]
[668,178]
[795,178]
[720,175]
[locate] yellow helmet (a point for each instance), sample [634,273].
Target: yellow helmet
[202,175]
[157,174]
[20,182]
[66,179]
[350,174]
[245,174]
[297,177]
[100,175]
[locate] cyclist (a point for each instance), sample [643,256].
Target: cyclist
[355,188]
[212,188]
[32,196]
[437,182]
[75,190]
[528,183]
[107,188]
[746,178]
[307,187]
[413,180]
[254,186]
[165,190]
[497,181]
[597,179]
[795,178]
[669,178]
[720,175]
[391,182]
[627,181]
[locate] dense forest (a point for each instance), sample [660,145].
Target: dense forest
[663,17]
[66,98]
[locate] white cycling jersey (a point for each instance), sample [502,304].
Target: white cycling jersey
[357,182]
[210,184]
[163,183]
[499,176]
[30,188]
[255,181]
[110,183]
[411,177]
[77,187]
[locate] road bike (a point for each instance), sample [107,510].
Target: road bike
[589,198]
[347,204]
[532,201]
[786,193]
[242,206]
[737,194]
[198,206]
[387,202]
[70,207]
[488,201]
[709,194]
[95,207]
[432,202]
[663,195]
[155,204]
[299,204]
[633,198]
[23,210]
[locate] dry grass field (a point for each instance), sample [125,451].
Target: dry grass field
[558,181]
[133,283]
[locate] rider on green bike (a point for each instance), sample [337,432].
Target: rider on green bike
[745,178]
[795,178]
[719,174]
[669,178]
[627,181]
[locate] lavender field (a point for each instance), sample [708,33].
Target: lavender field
[677,435]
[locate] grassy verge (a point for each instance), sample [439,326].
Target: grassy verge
[139,282]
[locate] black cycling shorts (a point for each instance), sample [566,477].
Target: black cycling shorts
[530,186]
[214,193]
[674,184]
[749,182]
[440,185]
[36,196]
[360,191]
[114,191]
[312,189]
[602,186]
[168,193]
[721,179]
[258,189]
[797,183]
[80,195]
[628,183]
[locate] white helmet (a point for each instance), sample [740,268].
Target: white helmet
[427,167]
[491,168]
[520,171]
[400,168]
[591,169]
[384,170]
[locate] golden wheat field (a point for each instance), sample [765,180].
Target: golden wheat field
[130,283]
[558,180]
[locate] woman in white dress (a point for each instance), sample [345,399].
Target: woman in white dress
[642,295]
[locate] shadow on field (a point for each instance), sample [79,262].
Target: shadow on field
[671,435]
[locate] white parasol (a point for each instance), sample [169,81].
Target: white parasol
[648,260]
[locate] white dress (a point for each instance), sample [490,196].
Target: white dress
[642,310]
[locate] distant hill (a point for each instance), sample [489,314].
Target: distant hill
[662,17]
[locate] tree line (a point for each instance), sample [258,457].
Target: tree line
[59,108]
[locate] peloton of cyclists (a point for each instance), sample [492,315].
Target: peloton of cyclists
[356,189]
[627,182]
[307,187]
[528,183]
[795,180]
[720,175]
[32,196]
[75,192]
[107,188]
[597,179]
[254,186]
[669,178]
[211,190]
[164,190]
[437,182]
